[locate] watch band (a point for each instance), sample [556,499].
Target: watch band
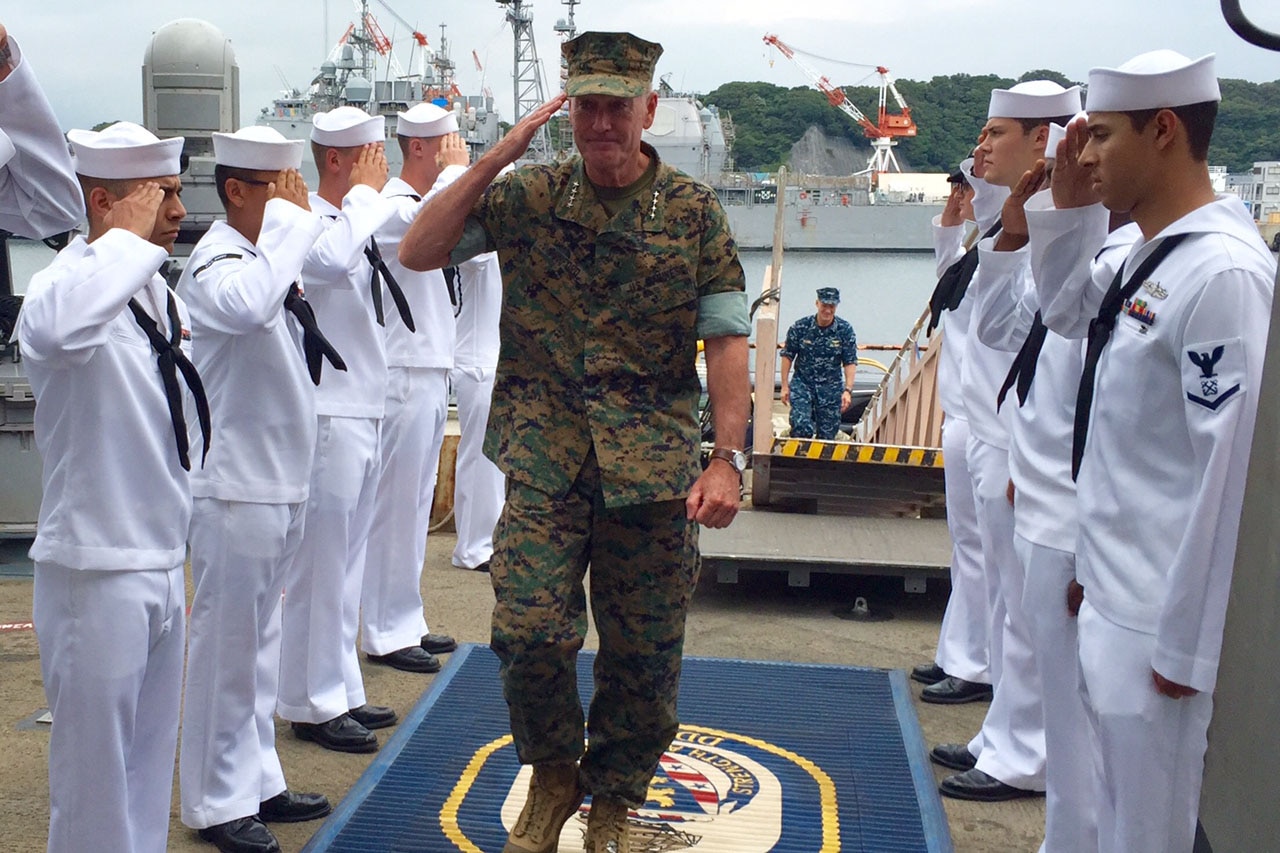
[727,455]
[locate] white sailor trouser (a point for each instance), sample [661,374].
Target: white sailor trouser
[1010,746]
[964,643]
[111,649]
[478,487]
[1152,746]
[412,433]
[1072,765]
[228,762]
[319,671]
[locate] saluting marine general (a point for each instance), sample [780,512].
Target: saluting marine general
[614,265]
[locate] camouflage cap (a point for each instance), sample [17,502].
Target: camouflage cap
[828,296]
[617,64]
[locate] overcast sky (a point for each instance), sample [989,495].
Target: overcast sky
[89,55]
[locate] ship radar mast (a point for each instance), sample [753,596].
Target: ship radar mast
[526,76]
[883,132]
[567,29]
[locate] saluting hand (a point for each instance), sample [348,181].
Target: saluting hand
[453,151]
[1013,216]
[290,186]
[1072,183]
[370,167]
[6,58]
[953,213]
[137,211]
[979,158]
[512,146]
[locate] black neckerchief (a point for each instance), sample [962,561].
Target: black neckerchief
[954,282]
[1023,369]
[171,359]
[1100,329]
[453,279]
[381,271]
[315,346]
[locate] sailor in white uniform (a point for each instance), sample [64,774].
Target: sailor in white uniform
[109,592]
[479,487]
[1045,525]
[39,194]
[250,495]
[1009,750]
[1165,416]
[321,688]
[961,668]
[395,628]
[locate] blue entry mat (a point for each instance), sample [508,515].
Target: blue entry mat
[792,758]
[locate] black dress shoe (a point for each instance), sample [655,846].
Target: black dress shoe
[976,785]
[341,734]
[953,755]
[927,673]
[410,659]
[439,644]
[242,835]
[293,807]
[483,567]
[955,691]
[374,716]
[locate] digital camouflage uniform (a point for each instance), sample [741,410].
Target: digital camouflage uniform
[595,425]
[818,357]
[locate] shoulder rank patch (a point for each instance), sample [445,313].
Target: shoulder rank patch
[1213,373]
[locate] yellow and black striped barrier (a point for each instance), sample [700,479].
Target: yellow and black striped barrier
[844,451]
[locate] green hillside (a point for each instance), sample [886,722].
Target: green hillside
[950,111]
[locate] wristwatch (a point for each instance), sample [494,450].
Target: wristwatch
[736,458]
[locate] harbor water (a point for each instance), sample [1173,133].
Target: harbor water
[881,294]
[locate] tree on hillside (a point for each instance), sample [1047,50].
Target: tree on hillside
[1045,74]
[950,111]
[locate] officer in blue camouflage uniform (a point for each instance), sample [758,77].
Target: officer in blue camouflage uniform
[614,265]
[824,350]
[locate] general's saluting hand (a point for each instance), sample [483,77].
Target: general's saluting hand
[511,147]
[290,186]
[137,211]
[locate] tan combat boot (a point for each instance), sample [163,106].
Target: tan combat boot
[607,827]
[554,796]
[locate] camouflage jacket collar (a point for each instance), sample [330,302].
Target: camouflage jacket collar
[578,203]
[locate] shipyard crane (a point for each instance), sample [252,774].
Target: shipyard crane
[530,93]
[883,132]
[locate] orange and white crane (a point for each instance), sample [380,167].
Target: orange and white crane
[887,127]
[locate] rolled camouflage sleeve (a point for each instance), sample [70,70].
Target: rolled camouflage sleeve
[722,286]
